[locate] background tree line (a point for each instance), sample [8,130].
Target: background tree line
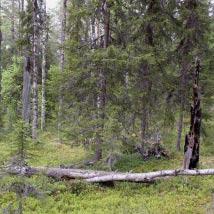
[116,75]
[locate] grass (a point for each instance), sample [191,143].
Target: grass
[180,195]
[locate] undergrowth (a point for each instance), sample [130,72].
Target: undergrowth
[178,195]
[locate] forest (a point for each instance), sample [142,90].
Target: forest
[106,106]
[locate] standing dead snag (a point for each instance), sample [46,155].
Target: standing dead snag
[192,140]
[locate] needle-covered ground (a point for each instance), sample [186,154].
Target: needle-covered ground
[179,195]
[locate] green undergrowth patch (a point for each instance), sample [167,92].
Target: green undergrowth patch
[180,195]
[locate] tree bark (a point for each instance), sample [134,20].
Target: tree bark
[62,65]
[13,26]
[27,72]
[92,176]
[35,71]
[44,66]
[1,39]
[185,50]
[26,92]
[181,113]
[192,140]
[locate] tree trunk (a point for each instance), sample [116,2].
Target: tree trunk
[101,100]
[1,39]
[13,26]
[62,65]
[26,92]
[44,66]
[186,49]
[192,140]
[103,177]
[146,83]
[180,128]
[27,74]
[181,115]
[35,71]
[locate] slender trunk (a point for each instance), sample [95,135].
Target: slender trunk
[26,90]
[144,125]
[183,88]
[144,74]
[35,72]
[106,24]
[93,33]
[27,74]
[44,71]
[180,128]
[101,100]
[146,88]
[21,10]
[183,94]
[0,50]
[62,65]
[13,26]
[43,107]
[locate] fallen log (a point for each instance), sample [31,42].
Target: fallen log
[93,176]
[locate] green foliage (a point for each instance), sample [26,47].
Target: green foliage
[12,90]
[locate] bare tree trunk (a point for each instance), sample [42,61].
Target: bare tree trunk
[93,176]
[192,141]
[44,66]
[62,65]
[26,92]
[35,71]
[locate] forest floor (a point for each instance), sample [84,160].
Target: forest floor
[180,195]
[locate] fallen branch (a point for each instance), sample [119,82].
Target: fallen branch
[93,176]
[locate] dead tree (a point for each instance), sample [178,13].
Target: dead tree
[192,139]
[93,176]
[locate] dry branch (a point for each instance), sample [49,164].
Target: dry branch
[93,176]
